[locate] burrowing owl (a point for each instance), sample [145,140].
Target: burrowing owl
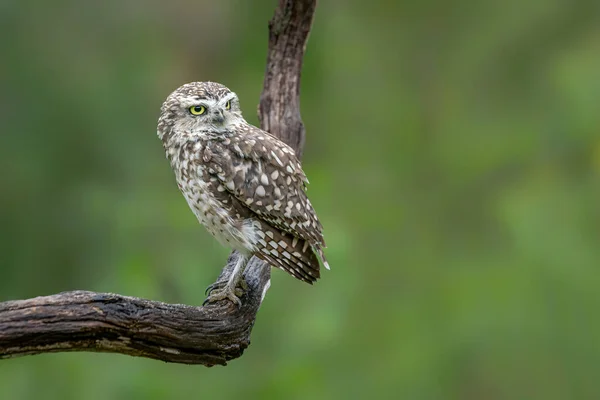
[243,184]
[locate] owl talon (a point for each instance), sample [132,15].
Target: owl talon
[220,285]
[225,293]
[214,286]
[222,290]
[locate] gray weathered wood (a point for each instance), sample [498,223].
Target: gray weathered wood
[208,335]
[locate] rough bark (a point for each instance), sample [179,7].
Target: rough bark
[208,335]
[279,107]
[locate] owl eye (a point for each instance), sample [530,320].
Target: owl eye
[197,110]
[228,105]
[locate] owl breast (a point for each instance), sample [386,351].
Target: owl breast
[214,207]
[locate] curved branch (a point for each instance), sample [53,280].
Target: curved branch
[105,322]
[208,335]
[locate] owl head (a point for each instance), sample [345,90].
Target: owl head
[199,108]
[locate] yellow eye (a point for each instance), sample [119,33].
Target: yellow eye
[228,105]
[197,110]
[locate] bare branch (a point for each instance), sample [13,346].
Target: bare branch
[279,108]
[209,335]
[104,322]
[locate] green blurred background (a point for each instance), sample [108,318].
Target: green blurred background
[453,150]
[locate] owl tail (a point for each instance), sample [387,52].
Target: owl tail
[291,254]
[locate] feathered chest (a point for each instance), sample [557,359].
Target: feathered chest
[213,205]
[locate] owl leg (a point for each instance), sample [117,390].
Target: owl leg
[232,288]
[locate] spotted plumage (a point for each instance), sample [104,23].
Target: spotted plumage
[243,184]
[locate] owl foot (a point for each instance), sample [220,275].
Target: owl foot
[241,287]
[222,290]
[232,288]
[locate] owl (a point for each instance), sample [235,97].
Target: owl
[243,184]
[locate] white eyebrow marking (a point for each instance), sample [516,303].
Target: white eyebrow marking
[190,102]
[227,98]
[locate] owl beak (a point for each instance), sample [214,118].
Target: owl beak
[217,117]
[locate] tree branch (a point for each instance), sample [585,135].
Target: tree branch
[209,335]
[279,108]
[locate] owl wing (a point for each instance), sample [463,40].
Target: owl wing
[264,175]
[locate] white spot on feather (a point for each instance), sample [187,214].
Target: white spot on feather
[305,247]
[276,158]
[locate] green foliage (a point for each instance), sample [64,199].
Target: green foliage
[453,151]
